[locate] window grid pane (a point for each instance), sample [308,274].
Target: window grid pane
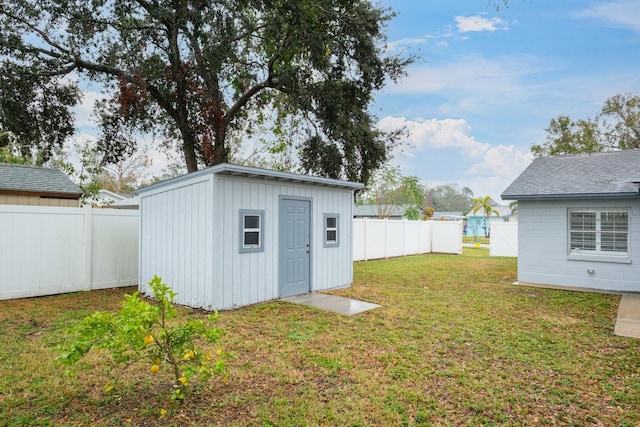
[252,221]
[583,241]
[251,231]
[331,229]
[599,231]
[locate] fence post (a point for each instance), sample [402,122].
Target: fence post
[365,239]
[386,240]
[86,238]
[404,237]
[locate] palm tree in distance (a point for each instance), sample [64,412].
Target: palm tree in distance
[485,205]
[514,208]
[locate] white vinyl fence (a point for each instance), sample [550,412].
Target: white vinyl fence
[504,239]
[53,250]
[384,238]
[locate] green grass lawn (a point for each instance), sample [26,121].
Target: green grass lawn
[455,343]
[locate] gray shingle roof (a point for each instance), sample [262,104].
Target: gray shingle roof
[608,174]
[35,179]
[372,211]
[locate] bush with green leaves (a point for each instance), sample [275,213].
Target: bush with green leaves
[142,330]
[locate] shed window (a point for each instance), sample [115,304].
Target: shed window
[251,230]
[599,231]
[331,230]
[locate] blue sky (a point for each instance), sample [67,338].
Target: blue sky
[488,82]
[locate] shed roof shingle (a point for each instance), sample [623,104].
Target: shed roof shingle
[608,174]
[35,179]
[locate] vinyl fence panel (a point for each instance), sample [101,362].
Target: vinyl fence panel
[114,243]
[504,239]
[41,250]
[384,238]
[446,237]
[53,250]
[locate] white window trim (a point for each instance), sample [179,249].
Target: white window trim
[598,255]
[331,243]
[260,230]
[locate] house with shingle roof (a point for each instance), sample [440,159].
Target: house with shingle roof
[37,186]
[579,221]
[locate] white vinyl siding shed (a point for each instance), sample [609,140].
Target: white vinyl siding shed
[191,234]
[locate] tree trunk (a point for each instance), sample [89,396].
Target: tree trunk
[189,150]
[220,150]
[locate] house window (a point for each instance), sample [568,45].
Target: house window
[251,230]
[599,231]
[331,230]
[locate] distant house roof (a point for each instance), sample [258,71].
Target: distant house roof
[371,211]
[447,215]
[502,210]
[115,196]
[31,179]
[608,174]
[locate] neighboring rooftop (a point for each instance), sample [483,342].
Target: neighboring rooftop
[371,211]
[31,179]
[608,174]
[502,210]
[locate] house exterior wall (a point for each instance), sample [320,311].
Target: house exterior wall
[190,237]
[543,248]
[36,200]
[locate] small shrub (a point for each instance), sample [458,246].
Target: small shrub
[141,331]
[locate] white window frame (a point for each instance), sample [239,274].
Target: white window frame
[581,253]
[327,229]
[243,231]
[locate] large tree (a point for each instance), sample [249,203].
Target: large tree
[194,71]
[390,189]
[616,127]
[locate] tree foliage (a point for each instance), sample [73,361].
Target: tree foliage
[449,198]
[147,332]
[34,110]
[195,71]
[390,189]
[616,127]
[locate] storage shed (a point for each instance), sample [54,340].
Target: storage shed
[229,236]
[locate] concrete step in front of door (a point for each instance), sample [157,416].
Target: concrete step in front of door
[334,303]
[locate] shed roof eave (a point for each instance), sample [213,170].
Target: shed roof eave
[255,173]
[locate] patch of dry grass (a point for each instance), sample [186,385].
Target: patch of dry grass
[454,344]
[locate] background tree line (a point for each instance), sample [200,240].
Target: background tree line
[615,127]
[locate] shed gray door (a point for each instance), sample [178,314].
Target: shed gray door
[294,247]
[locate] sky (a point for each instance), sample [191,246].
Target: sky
[487,82]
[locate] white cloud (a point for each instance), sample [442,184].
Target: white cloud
[447,133]
[493,167]
[400,45]
[83,111]
[477,23]
[625,13]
